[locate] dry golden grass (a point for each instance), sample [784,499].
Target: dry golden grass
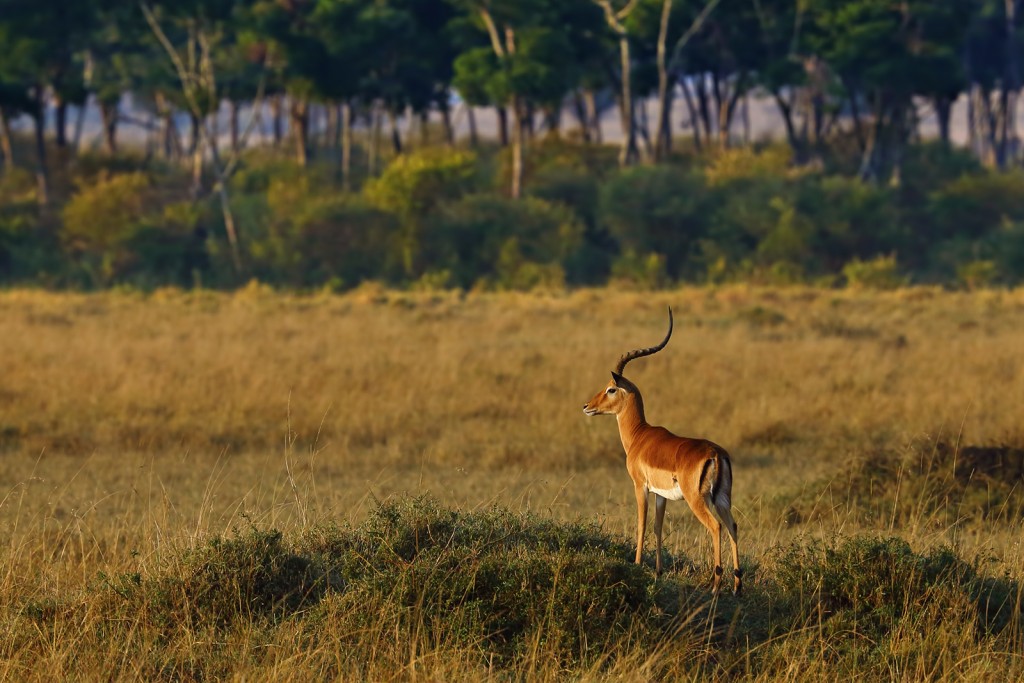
[131,426]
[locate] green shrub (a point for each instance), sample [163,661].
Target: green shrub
[102,216]
[413,186]
[851,219]
[492,581]
[29,248]
[656,209]
[977,274]
[878,273]
[788,246]
[302,236]
[974,206]
[882,586]
[1008,251]
[492,237]
[122,229]
[640,271]
[734,164]
[574,187]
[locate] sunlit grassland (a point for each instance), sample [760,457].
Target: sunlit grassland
[134,428]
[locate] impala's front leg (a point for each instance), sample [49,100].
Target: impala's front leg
[641,520]
[659,519]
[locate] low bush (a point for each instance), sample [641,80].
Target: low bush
[656,209]
[511,244]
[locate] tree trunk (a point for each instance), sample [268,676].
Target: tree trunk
[663,135]
[727,111]
[276,117]
[691,108]
[553,120]
[704,107]
[746,118]
[627,149]
[579,107]
[517,148]
[42,172]
[643,132]
[858,128]
[446,121]
[989,127]
[424,128]
[197,170]
[109,116]
[233,108]
[972,128]
[194,142]
[1011,84]
[527,120]
[503,126]
[474,136]
[167,118]
[795,142]
[943,111]
[396,136]
[76,141]
[299,113]
[590,100]
[375,134]
[60,119]
[869,159]
[346,146]
[902,123]
[5,142]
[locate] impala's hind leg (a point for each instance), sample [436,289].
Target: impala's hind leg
[709,519]
[725,514]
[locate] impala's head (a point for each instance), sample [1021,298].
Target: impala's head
[620,392]
[613,398]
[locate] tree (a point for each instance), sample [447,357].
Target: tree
[885,54]
[196,74]
[41,40]
[535,58]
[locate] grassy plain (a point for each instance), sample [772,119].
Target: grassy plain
[136,428]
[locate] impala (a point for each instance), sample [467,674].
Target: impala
[669,466]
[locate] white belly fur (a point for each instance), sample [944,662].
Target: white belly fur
[675,493]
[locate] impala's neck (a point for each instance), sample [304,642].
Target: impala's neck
[631,420]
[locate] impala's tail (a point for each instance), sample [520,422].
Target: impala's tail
[721,491]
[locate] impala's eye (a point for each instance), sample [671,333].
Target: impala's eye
[611,390]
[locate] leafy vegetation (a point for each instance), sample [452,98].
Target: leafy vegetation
[437,214]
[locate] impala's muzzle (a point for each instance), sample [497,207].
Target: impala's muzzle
[587,410]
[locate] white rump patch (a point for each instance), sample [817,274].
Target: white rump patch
[669,494]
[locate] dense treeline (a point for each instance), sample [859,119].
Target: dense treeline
[348,193]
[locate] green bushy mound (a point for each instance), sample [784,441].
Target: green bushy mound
[497,590]
[495,580]
[878,604]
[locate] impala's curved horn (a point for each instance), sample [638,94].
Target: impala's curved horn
[640,353]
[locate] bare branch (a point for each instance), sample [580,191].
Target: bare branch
[492,31]
[690,32]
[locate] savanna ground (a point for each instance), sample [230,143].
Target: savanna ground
[399,485]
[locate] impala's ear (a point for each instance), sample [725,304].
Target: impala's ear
[617,378]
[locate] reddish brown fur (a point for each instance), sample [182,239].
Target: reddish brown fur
[658,459]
